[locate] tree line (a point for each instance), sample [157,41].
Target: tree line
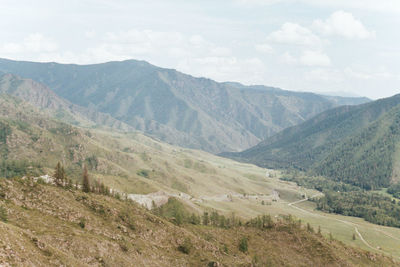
[350,200]
[373,207]
[86,184]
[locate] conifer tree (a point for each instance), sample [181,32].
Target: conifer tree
[206,219]
[102,188]
[59,174]
[70,184]
[85,181]
[63,176]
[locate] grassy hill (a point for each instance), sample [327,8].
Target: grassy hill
[130,162]
[356,145]
[178,108]
[44,225]
[32,142]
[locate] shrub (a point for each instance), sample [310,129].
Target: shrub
[126,217]
[3,214]
[143,173]
[243,244]
[82,222]
[186,246]
[173,210]
[225,247]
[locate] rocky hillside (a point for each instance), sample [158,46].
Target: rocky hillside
[38,95]
[357,145]
[178,108]
[32,142]
[44,225]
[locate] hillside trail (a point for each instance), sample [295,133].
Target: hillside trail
[292,204]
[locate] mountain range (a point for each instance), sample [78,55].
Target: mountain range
[358,145]
[41,126]
[172,106]
[40,96]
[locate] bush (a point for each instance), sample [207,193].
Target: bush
[173,210]
[82,222]
[3,214]
[143,173]
[126,217]
[186,246]
[243,245]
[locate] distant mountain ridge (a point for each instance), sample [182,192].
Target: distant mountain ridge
[178,108]
[42,97]
[359,145]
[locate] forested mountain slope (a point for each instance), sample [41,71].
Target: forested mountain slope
[356,145]
[178,108]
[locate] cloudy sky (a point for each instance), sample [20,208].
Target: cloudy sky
[346,46]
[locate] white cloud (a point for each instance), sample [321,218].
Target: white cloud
[315,58]
[350,74]
[325,75]
[33,43]
[39,43]
[145,43]
[256,2]
[90,34]
[289,59]
[387,6]
[249,70]
[264,48]
[308,58]
[188,53]
[11,48]
[382,74]
[343,24]
[292,33]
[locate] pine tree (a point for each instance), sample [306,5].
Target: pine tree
[85,181]
[330,236]
[58,174]
[63,176]
[69,183]
[214,218]
[309,228]
[102,189]
[194,219]
[96,186]
[206,219]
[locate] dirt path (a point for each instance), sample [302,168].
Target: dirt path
[363,240]
[339,220]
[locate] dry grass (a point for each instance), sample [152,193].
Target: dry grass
[44,230]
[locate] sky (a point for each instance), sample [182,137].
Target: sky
[346,47]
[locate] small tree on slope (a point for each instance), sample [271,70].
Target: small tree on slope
[85,181]
[59,175]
